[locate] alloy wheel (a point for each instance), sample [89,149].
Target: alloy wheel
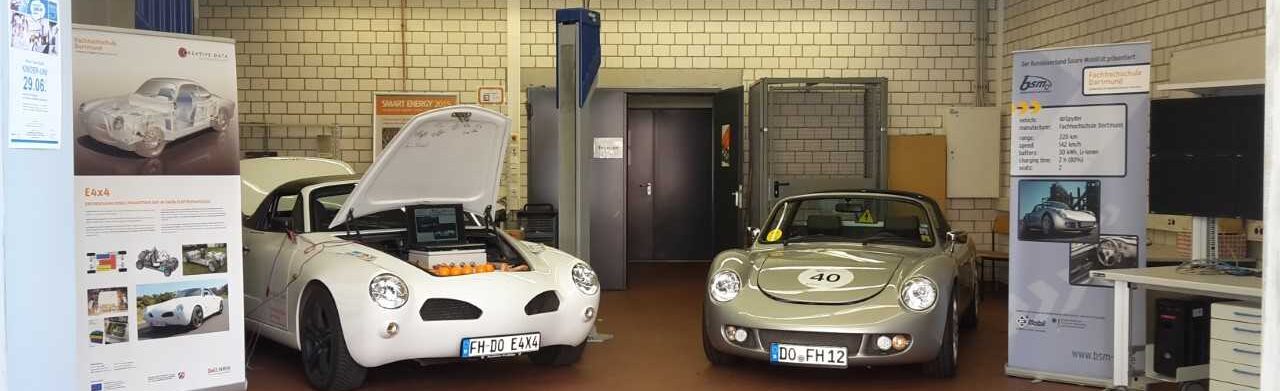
[318,344]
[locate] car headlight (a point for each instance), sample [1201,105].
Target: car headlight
[585,279]
[919,293]
[388,291]
[725,285]
[178,310]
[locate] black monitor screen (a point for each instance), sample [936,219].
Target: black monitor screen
[437,225]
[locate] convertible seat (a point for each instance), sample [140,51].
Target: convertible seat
[823,224]
[904,226]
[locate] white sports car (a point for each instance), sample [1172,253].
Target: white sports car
[161,110]
[328,270]
[190,308]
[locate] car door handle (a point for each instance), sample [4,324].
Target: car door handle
[648,188]
[246,249]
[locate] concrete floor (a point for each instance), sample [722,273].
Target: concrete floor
[657,345]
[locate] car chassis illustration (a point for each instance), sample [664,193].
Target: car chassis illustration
[157,260]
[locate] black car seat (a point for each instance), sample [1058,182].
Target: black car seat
[823,224]
[906,227]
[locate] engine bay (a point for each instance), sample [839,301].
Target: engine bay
[499,256]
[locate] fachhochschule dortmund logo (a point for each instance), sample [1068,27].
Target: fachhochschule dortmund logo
[1035,84]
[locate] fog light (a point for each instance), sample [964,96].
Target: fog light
[589,314]
[740,336]
[901,342]
[735,334]
[391,330]
[883,343]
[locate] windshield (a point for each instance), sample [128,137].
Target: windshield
[326,202]
[189,292]
[1056,204]
[159,89]
[858,219]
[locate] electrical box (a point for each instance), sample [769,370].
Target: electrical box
[973,152]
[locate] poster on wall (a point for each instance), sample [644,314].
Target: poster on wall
[391,110]
[156,149]
[1079,164]
[35,63]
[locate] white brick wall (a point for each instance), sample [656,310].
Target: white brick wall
[311,63]
[1168,24]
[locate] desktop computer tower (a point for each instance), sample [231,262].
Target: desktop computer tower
[1182,335]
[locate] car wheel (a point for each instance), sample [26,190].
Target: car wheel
[559,355]
[197,318]
[1046,224]
[325,359]
[219,121]
[970,319]
[167,272]
[716,357]
[213,266]
[139,264]
[944,366]
[151,145]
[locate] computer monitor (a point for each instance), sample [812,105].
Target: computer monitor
[436,225]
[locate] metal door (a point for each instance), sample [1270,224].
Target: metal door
[670,183]
[811,135]
[728,206]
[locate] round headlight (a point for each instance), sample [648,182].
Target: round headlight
[919,293]
[725,285]
[388,291]
[585,279]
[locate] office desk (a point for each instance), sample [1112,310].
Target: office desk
[1167,279]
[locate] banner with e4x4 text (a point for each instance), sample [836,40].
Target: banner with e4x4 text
[1077,201]
[158,266]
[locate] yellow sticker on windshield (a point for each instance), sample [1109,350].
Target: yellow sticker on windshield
[774,235]
[866,217]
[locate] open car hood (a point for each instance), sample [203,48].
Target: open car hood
[451,155]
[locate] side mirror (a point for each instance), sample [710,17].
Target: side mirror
[960,237]
[755,233]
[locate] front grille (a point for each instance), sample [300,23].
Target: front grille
[166,315]
[448,309]
[542,303]
[850,341]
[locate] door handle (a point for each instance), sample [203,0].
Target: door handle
[777,188]
[648,188]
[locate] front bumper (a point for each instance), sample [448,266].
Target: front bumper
[372,345]
[851,326]
[157,320]
[1076,226]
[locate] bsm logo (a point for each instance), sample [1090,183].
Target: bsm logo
[1024,321]
[1035,84]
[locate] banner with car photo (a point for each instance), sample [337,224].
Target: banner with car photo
[158,211]
[1077,203]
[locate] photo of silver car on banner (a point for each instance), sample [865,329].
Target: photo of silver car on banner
[1077,202]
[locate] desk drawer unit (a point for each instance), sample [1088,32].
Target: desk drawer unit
[1245,375]
[1226,330]
[1215,385]
[1237,312]
[1235,350]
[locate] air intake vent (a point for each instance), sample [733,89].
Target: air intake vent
[448,309]
[543,303]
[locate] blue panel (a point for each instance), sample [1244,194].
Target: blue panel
[173,16]
[588,22]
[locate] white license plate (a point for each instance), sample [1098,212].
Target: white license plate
[826,356]
[500,346]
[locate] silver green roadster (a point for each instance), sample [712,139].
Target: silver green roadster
[836,279]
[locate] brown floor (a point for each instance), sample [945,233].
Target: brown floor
[657,345]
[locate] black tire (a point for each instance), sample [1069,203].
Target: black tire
[197,318]
[944,366]
[168,272]
[969,320]
[714,356]
[1046,225]
[325,359]
[139,264]
[213,266]
[559,355]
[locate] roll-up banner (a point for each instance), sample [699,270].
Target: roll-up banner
[157,211]
[1078,202]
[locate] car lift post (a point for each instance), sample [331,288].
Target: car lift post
[577,63]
